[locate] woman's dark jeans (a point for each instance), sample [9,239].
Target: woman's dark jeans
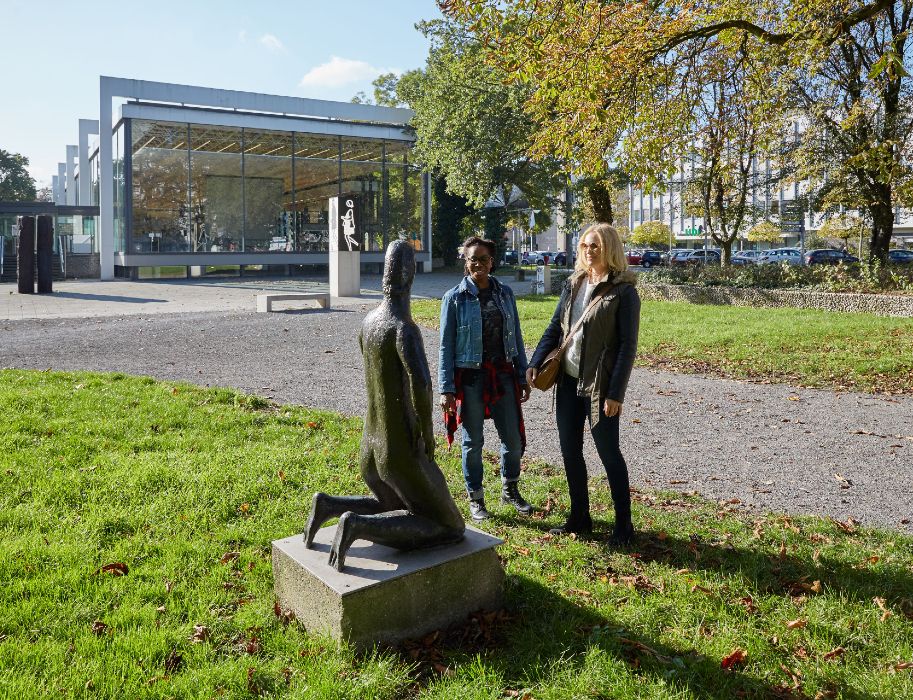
[572,412]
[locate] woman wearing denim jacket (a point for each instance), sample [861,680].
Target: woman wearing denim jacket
[482,373]
[596,367]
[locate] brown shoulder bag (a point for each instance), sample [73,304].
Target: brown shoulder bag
[551,365]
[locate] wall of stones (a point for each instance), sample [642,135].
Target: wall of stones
[83,266]
[896,305]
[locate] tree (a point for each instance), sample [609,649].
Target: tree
[650,233]
[472,129]
[16,185]
[614,82]
[449,212]
[856,150]
[764,232]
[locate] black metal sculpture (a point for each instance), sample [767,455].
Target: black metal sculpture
[411,506]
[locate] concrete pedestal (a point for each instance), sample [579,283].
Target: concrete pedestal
[384,595]
[345,274]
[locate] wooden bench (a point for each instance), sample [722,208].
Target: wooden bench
[265,301]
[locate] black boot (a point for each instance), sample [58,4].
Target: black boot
[510,494]
[580,525]
[477,509]
[622,533]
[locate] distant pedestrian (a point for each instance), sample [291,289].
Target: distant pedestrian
[482,374]
[595,370]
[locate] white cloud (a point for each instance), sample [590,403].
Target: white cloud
[242,36]
[272,42]
[341,71]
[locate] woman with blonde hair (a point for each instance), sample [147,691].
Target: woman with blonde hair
[596,366]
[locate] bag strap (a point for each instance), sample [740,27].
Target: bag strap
[582,318]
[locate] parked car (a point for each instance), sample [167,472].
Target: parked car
[746,257]
[828,256]
[775,256]
[672,253]
[703,257]
[510,257]
[898,256]
[649,258]
[633,256]
[679,257]
[560,259]
[541,257]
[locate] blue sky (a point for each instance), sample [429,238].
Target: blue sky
[52,52]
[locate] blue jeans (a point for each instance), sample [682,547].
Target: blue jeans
[572,412]
[507,421]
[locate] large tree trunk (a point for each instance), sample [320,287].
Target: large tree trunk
[601,199]
[882,230]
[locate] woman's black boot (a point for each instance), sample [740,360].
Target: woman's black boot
[580,525]
[622,533]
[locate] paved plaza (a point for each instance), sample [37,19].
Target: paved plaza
[770,446]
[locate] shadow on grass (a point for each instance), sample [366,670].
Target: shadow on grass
[771,573]
[551,636]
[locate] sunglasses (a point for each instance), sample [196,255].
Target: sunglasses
[484,259]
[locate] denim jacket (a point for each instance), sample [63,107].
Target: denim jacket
[461,331]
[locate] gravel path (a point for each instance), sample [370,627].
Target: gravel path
[771,446]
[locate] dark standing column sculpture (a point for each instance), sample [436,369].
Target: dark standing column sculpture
[25,255]
[411,506]
[45,253]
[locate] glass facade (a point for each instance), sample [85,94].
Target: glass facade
[199,188]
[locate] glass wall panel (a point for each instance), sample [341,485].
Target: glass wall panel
[216,189]
[267,191]
[363,175]
[316,180]
[119,190]
[160,187]
[93,168]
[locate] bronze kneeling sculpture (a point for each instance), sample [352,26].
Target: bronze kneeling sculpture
[411,506]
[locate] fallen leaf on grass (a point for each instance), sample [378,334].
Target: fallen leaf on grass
[522,550]
[848,527]
[748,603]
[173,661]
[117,568]
[797,624]
[834,653]
[99,628]
[902,666]
[200,634]
[281,475]
[285,616]
[736,658]
[229,556]
[885,612]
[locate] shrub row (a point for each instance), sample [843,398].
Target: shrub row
[861,278]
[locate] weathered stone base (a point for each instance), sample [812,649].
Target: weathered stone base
[384,595]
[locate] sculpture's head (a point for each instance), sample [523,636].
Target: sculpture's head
[399,268]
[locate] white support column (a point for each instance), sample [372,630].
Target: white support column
[55,186]
[61,184]
[71,174]
[105,183]
[87,127]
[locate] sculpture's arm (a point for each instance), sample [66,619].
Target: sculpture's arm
[415,367]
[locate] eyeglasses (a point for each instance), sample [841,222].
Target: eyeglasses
[590,246]
[484,259]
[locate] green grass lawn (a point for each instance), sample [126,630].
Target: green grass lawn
[801,347]
[182,489]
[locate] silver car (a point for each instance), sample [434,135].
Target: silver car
[775,256]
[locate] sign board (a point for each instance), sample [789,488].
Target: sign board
[345,224]
[793,217]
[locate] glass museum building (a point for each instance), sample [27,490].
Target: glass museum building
[201,178]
